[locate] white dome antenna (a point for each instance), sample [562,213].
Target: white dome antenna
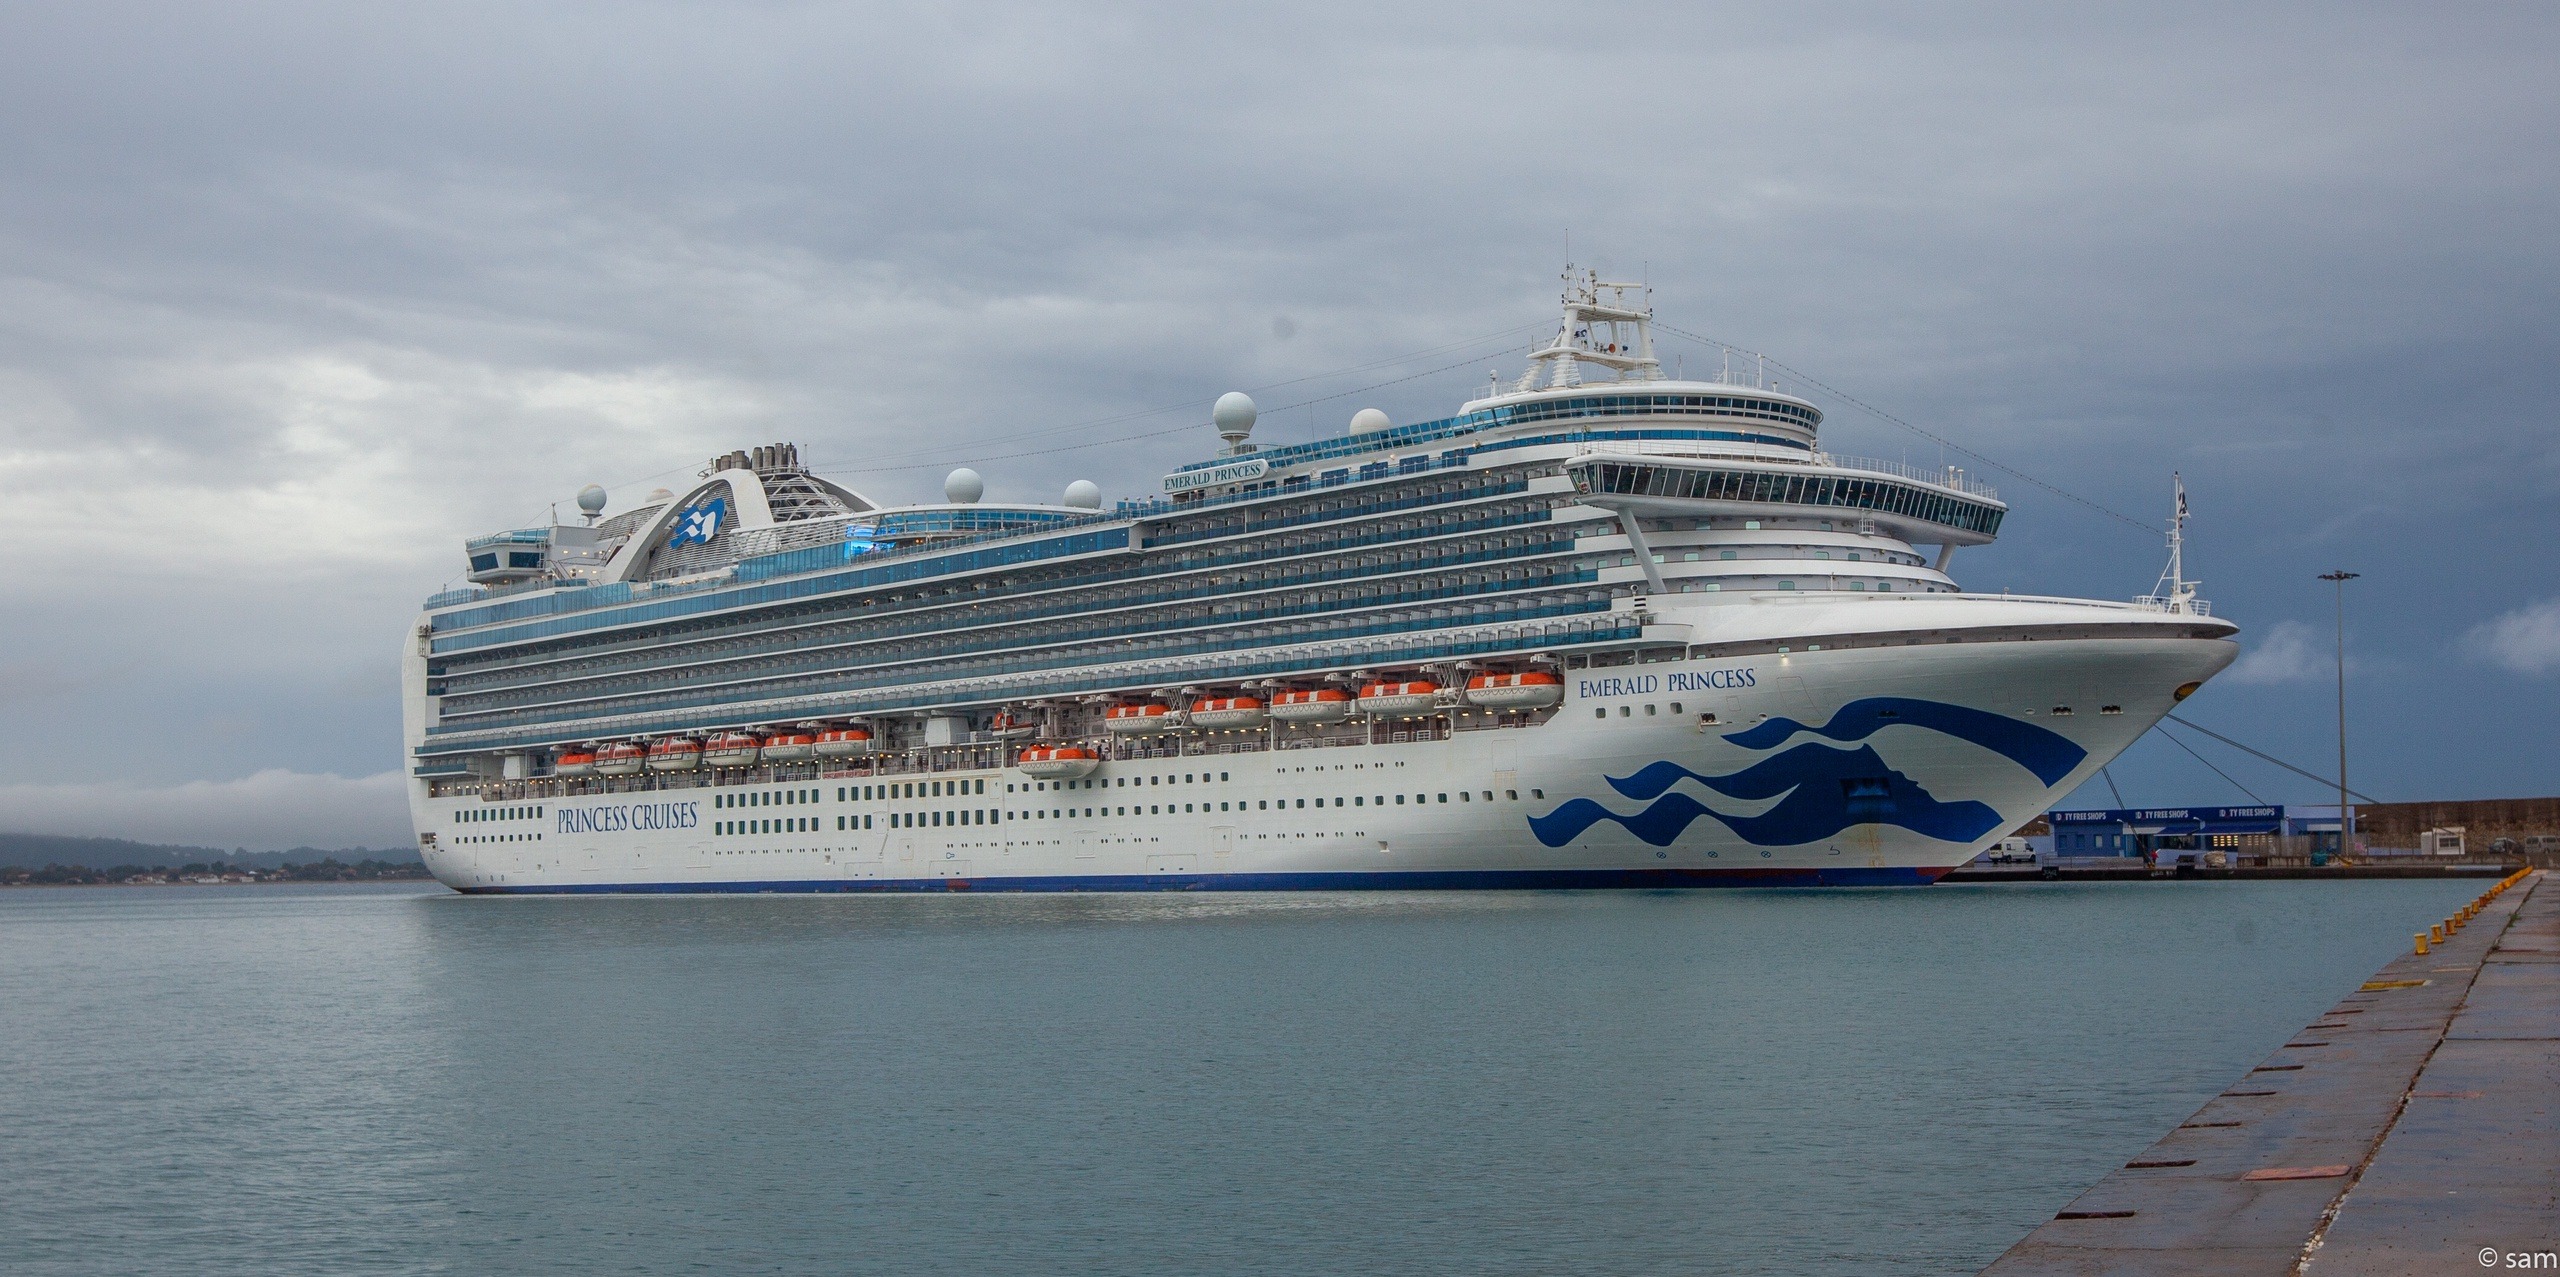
[591,499]
[1234,418]
[963,487]
[1369,419]
[1084,494]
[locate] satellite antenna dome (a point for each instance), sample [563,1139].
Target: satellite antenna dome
[660,496]
[1084,495]
[1368,419]
[1234,414]
[963,486]
[591,499]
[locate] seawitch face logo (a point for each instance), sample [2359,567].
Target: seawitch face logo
[1823,790]
[629,816]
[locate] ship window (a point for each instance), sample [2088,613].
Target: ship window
[982,786]
[1512,794]
[1602,712]
[1626,711]
[1649,711]
[1302,802]
[1537,793]
[1221,775]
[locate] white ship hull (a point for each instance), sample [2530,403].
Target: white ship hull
[1868,766]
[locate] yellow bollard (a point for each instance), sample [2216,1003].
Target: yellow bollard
[2421,938]
[2436,933]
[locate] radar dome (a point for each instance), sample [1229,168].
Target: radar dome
[591,499]
[963,486]
[1084,495]
[660,496]
[1234,414]
[1368,419]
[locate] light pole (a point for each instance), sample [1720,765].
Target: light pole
[2346,820]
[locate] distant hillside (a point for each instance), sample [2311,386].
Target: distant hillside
[35,851]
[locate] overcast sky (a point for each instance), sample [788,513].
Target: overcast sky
[293,298]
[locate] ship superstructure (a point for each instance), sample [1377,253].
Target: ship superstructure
[1600,627]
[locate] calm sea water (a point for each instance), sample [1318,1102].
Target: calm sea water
[336,1079]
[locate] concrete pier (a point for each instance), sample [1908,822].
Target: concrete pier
[2414,1128]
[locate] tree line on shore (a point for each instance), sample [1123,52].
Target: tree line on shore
[327,869]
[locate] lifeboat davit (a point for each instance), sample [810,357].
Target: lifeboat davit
[1139,720]
[843,742]
[733,749]
[576,761]
[1322,705]
[621,758]
[1417,696]
[1533,690]
[790,747]
[1228,711]
[675,754]
[1055,762]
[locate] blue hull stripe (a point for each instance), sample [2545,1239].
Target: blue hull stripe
[1380,880]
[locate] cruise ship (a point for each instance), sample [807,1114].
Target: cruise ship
[1601,628]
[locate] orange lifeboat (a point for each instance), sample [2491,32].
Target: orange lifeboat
[1055,762]
[621,758]
[1533,690]
[733,749]
[1413,696]
[1227,711]
[576,760]
[1141,719]
[1321,705]
[675,754]
[790,747]
[843,742]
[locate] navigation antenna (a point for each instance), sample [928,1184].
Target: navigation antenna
[1602,327]
[2174,592]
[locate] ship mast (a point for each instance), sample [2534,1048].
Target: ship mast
[1609,333]
[2174,592]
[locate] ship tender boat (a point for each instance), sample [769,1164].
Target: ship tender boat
[1312,705]
[622,758]
[1056,762]
[1598,627]
[675,754]
[1141,720]
[1529,689]
[1222,712]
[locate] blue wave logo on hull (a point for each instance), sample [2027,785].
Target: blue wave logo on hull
[1826,789]
[2050,755]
